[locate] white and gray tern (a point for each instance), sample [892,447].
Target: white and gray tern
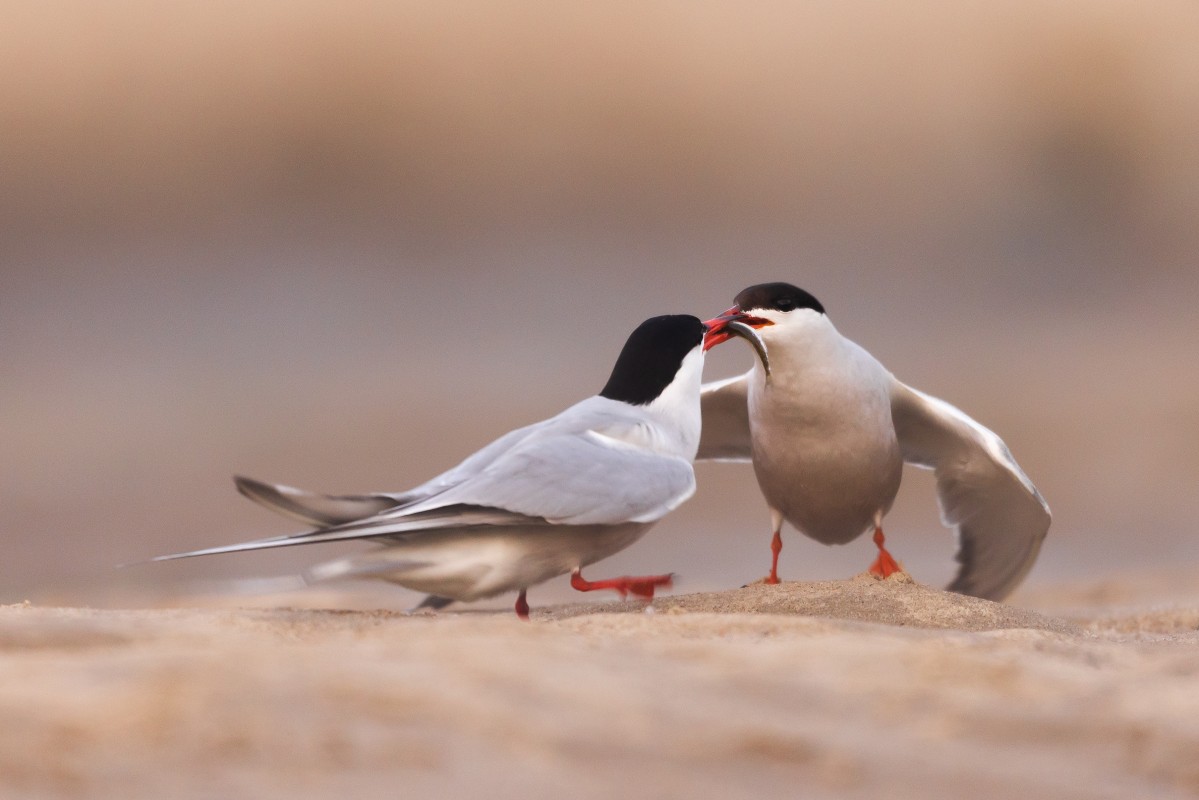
[828,430]
[541,501]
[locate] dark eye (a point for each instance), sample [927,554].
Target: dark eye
[784,304]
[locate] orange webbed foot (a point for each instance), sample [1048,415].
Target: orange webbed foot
[642,586]
[885,565]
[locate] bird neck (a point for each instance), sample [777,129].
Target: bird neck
[676,411]
[807,341]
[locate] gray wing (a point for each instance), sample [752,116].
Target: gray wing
[588,478]
[725,412]
[473,464]
[564,474]
[580,467]
[1000,517]
[325,510]
[313,508]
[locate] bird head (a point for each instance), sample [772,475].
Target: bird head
[762,306]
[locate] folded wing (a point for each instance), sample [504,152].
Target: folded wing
[313,508]
[1000,517]
[326,510]
[576,478]
[589,478]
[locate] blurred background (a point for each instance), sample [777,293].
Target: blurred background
[343,246]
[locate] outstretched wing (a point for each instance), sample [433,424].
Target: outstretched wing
[725,412]
[1000,517]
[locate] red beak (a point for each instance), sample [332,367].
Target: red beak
[718,326]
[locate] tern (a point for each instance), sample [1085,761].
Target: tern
[541,501]
[828,430]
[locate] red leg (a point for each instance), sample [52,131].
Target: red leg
[642,586]
[522,606]
[884,566]
[776,547]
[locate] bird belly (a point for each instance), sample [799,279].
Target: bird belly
[478,563]
[831,500]
[831,475]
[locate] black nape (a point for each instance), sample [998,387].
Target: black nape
[651,358]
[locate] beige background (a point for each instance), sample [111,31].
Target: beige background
[343,249]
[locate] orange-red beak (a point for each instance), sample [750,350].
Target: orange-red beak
[718,326]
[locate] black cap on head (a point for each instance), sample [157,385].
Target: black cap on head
[776,296]
[651,357]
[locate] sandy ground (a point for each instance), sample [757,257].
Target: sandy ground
[836,689]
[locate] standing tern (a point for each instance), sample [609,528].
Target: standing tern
[541,501]
[828,430]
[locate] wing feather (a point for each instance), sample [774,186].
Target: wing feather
[383,525]
[577,479]
[577,469]
[312,508]
[1000,517]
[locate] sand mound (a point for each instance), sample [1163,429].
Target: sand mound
[896,601]
[841,689]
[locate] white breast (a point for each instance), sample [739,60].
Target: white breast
[824,447]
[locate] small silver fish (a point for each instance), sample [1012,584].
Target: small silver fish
[751,335]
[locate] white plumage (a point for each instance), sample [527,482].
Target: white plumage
[541,501]
[829,432]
